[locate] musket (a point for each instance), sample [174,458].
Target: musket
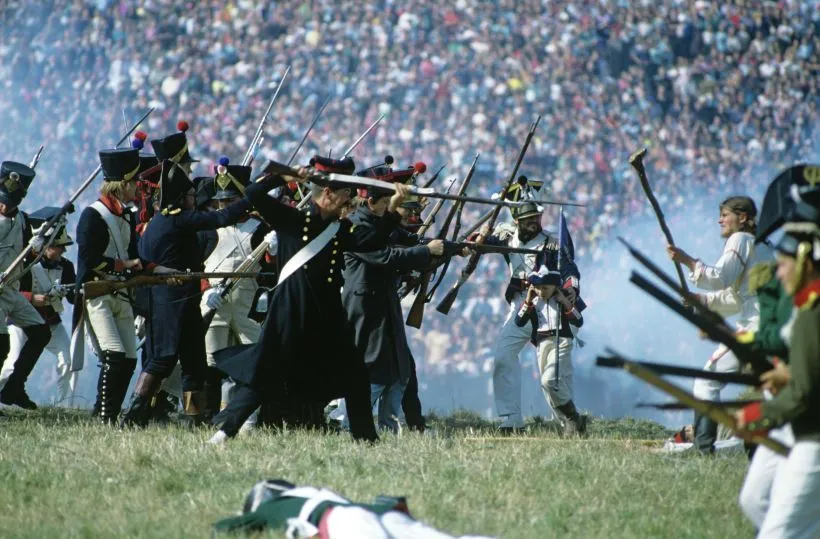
[615,360]
[362,136]
[227,284]
[680,406]
[431,217]
[636,160]
[717,333]
[95,289]
[304,138]
[416,314]
[458,208]
[470,231]
[9,275]
[432,180]
[309,129]
[716,413]
[257,137]
[36,158]
[352,147]
[690,298]
[447,303]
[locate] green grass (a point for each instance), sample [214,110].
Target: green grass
[63,476]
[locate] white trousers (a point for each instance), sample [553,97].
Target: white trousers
[557,386]
[757,487]
[231,322]
[59,345]
[506,366]
[112,321]
[794,507]
[722,360]
[350,522]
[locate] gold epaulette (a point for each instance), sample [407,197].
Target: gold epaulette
[759,275]
[166,211]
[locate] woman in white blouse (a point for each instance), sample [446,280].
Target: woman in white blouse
[727,294]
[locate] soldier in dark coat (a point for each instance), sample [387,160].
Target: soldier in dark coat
[371,299]
[306,355]
[174,317]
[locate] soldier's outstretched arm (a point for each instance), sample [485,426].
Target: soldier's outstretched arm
[211,220]
[280,217]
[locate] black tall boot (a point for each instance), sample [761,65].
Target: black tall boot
[15,390]
[213,392]
[411,404]
[112,385]
[139,410]
[705,434]
[574,424]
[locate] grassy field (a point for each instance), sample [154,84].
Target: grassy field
[63,476]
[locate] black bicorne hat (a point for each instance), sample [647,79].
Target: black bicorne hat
[39,218]
[120,164]
[173,183]
[174,147]
[803,222]
[778,202]
[230,180]
[15,179]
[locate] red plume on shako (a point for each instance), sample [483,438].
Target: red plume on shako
[182,125]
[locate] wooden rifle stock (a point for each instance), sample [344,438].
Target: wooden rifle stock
[447,303]
[95,289]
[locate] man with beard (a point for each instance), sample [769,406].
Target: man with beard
[527,233]
[305,356]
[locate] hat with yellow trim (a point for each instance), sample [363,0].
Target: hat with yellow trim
[174,147]
[230,180]
[120,164]
[15,179]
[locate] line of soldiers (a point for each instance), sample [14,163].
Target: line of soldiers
[285,348]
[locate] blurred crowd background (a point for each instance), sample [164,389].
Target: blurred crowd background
[724,94]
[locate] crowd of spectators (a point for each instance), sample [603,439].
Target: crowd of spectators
[722,93]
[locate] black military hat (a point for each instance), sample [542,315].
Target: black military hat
[527,209]
[230,180]
[205,190]
[339,166]
[174,147]
[38,220]
[802,223]
[778,202]
[173,184]
[120,164]
[15,179]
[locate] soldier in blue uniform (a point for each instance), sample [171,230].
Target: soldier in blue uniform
[174,317]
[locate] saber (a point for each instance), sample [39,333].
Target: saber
[255,141]
[9,275]
[361,138]
[716,413]
[636,160]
